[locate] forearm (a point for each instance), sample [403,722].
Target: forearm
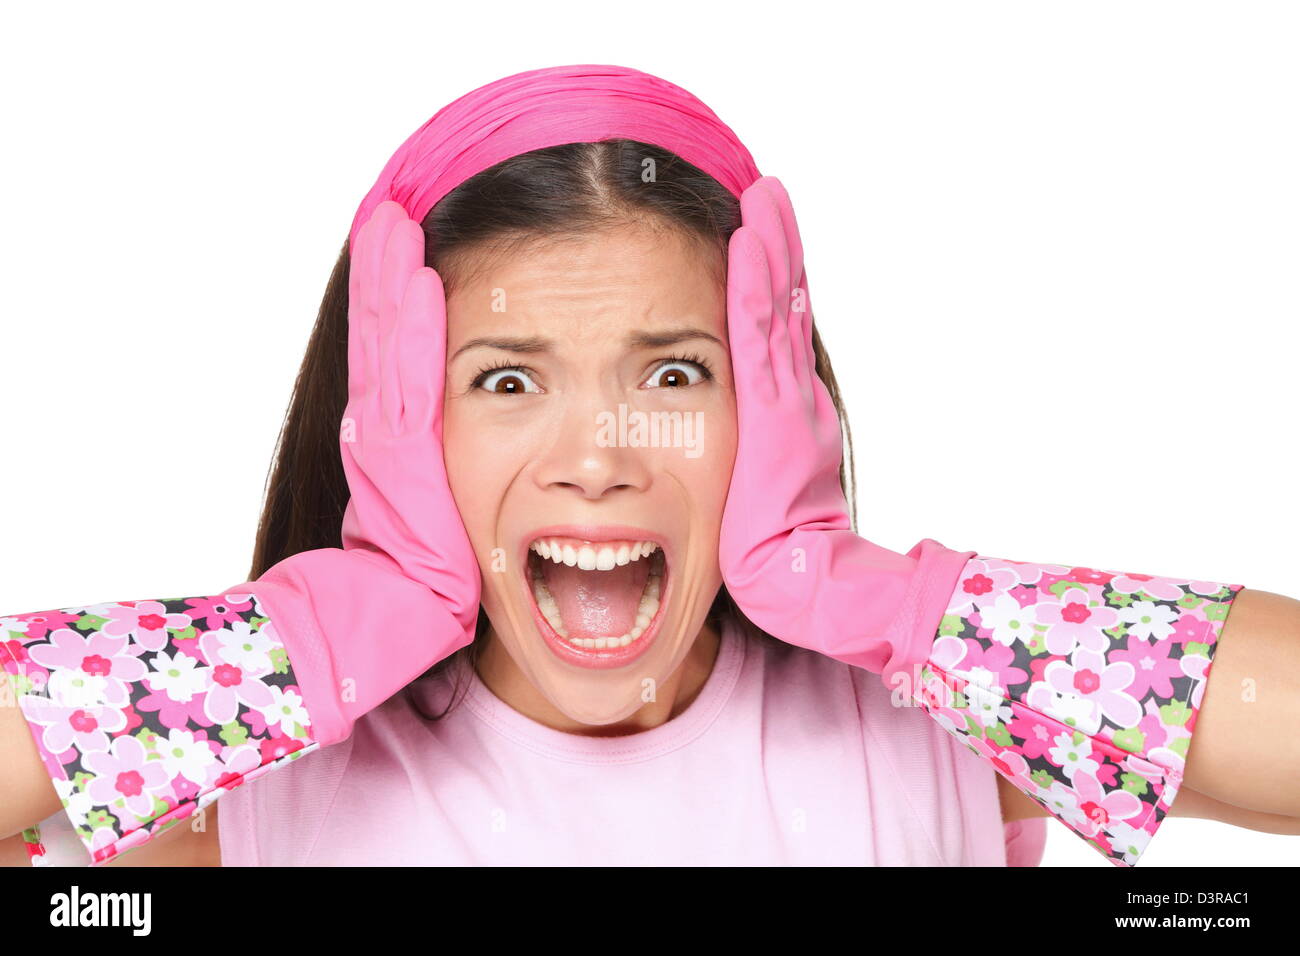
[28,796]
[139,714]
[1246,752]
[1081,686]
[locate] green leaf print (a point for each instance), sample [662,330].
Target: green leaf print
[1130,739]
[1175,713]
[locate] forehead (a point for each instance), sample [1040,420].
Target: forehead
[630,276]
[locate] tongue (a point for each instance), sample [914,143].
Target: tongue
[597,603]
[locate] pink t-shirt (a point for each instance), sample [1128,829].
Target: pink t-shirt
[784,757]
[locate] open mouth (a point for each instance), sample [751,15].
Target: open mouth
[597,599]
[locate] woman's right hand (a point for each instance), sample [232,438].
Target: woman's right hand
[403,592]
[391,436]
[241,682]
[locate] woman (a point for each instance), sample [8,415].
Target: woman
[589,479]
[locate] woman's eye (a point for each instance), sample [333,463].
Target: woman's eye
[677,373]
[506,381]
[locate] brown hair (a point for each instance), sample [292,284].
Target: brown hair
[540,195]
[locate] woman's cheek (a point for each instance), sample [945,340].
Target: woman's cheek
[480,457]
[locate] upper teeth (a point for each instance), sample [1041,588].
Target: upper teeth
[593,557]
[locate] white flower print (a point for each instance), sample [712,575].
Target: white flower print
[285,709]
[1148,620]
[184,756]
[1072,756]
[177,675]
[1008,621]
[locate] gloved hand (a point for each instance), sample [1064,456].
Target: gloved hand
[789,556]
[362,622]
[212,677]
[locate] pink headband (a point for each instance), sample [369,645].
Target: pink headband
[550,107]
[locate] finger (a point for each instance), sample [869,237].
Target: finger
[403,255]
[364,257]
[749,317]
[760,212]
[800,307]
[422,349]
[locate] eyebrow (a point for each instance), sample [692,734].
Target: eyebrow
[640,340]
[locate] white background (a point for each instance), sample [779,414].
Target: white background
[1052,248]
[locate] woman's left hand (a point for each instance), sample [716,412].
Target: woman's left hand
[788,554]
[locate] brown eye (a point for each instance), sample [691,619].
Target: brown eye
[506,381]
[677,374]
[672,378]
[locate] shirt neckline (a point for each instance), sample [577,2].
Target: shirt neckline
[629,748]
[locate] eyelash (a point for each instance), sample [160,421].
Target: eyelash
[706,370]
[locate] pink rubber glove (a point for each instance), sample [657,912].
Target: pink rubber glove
[788,554]
[362,622]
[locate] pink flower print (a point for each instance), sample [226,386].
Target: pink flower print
[16,652]
[184,756]
[1073,757]
[1026,572]
[212,613]
[285,711]
[1072,622]
[1077,712]
[1035,733]
[1089,677]
[124,772]
[980,582]
[229,685]
[1007,621]
[239,761]
[1152,667]
[1007,761]
[86,729]
[1155,733]
[88,671]
[1099,808]
[1090,576]
[273,748]
[39,623]
[1161,589]
[1148,620]
[1204,588]
[1190,629]
[1196,667]
[947,652]
[176,713]
[177,675]
[991,666]
[146,622]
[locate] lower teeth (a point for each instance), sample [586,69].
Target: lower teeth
[646,609]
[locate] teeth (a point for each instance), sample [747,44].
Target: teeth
[603,560]
[593,557]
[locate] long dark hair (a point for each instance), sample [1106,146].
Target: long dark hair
[559,190]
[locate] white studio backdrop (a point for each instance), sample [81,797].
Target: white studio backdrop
[1052,249]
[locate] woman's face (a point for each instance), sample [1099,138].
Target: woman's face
[590,431]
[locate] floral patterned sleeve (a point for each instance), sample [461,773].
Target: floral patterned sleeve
[1080,686]
[145,712]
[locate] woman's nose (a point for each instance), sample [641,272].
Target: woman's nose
[586,453]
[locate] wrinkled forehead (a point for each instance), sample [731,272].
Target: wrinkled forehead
[587,288]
